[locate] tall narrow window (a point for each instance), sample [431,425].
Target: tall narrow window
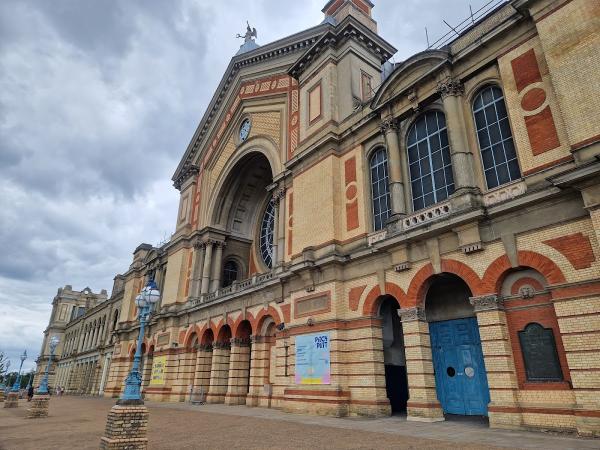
[230,273]
[380,189]
[539,353]
[266,234]
[496,144]
[429,162]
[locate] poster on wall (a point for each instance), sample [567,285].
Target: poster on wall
[313,359]
[159,365]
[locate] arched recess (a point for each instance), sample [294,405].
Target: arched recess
[219,374]
[239,364]
[459,369]
[237,207]
[535,337]
[394,358]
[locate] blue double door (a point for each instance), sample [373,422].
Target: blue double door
[460,376]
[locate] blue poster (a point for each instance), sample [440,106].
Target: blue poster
[313,359]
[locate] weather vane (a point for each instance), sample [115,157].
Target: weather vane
[250,33]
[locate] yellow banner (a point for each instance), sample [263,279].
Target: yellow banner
[159,368]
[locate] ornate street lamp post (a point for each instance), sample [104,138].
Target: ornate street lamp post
[12,399]
[144,301]
[43,389]
[41,400]
[128,419]
[17,384]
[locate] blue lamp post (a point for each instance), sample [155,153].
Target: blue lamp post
[144,301]
[17,384]
[43,389]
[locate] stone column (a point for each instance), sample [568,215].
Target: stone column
[239,372]
[219,372]
[451,90]
[260,355]
[423,404]
[126,426]
[390,131]
[198,269]
[202,374]
[499,361]
[280,228]
[206,268]
[217,268]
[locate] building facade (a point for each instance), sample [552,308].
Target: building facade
[356,237]
[84,323]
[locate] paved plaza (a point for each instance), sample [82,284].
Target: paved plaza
[78,423]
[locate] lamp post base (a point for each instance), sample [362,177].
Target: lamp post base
[39,406]
[12,400]
[126,427]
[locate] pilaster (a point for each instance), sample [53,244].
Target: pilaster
[389,128]
[239,372]
[423,404]
[219,372]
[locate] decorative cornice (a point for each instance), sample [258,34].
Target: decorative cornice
[188,170]
[491,302]
[412,314]
[450,87]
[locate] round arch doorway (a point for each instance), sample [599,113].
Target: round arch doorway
[394,358]
[460,375]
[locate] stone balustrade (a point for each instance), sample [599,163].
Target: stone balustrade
[235,288]
[504,193]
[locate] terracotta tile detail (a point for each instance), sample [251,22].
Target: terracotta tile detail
[354,296]
[576,248]
[542,131]
[526,70]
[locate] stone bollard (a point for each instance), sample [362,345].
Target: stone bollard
[39,406]
[126,427]
[12,400]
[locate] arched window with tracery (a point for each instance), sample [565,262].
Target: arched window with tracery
[380,190]
[496,145]
[266,234]
[230,273]
[430,168]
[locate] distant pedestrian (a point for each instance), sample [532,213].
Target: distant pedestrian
[29,393]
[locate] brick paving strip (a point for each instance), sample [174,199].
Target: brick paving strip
[78,423]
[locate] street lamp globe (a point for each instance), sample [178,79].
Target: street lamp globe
[140,301]
[151,293]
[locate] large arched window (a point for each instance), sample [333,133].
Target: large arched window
[380,190]
[496,144]
[266,234]
[230,273]
[539,353]
[429,162]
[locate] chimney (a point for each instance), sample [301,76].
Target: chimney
[359,9]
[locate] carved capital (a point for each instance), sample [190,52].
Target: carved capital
[450,87]
[413,98]
[199,244]
[278,194]
[205,347]
[389,125]
[490,302]
[240,342]
[411,314]
[221,345]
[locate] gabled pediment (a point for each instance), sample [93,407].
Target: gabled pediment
[408,73]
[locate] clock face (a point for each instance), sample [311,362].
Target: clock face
[245,130]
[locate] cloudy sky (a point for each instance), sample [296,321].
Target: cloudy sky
[98,100]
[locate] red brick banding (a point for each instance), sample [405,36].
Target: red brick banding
[576,248]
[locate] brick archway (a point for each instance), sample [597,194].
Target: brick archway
[422,279]
[263,315]
[374,298]
[496,271]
